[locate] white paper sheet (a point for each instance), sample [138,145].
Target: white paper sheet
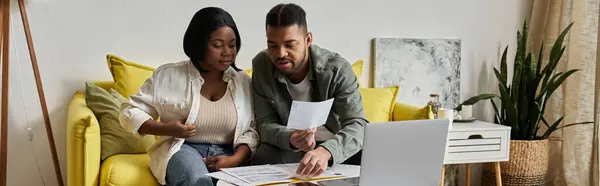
[307,115]
[291,168]
[261,174]
[265,174]
[227,178]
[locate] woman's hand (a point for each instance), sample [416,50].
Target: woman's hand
[174,128]
[216,163]
[177,129]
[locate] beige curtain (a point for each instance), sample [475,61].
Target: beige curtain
[573,150]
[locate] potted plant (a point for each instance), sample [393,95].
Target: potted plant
[521,106]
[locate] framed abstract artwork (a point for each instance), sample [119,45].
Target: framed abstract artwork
[420,67]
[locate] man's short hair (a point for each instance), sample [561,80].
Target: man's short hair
[284,15]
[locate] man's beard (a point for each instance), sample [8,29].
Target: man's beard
[296,65]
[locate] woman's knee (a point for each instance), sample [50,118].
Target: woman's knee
[185,160]
[187,168]
[188,175]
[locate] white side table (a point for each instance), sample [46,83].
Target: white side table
[350,171]
[477,142]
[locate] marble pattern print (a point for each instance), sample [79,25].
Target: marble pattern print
[420,67]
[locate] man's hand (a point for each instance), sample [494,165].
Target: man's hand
[216,163]
[303,139]
[314,163]
[177,129]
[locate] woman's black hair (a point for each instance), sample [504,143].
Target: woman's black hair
[197,35]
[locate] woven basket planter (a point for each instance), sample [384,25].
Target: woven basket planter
[528,165]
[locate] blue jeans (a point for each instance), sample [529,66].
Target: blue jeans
[187,168]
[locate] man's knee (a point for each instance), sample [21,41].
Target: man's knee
[265,154]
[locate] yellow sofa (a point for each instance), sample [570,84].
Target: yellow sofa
[84,166]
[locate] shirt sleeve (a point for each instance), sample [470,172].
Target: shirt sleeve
[139,108]
[250,137]
[269,126]
[348,105]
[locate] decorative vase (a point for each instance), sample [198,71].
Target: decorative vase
[528,165]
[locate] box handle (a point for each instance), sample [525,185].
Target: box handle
[475,136]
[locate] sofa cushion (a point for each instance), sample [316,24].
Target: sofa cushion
[357,68]
[83,143]
[403,112]
[114,139]
[249,72]
[128,76]
[127,169]
[378,103]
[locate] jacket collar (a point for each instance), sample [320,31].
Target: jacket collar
[194,74]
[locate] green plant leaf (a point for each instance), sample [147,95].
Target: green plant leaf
[516,82]
[556,53]
[530,111]
[497,113]
[525,34]
[535,115]
[523,101]
[560,78]
[511,113]
[501,81]
[552,128]
[474,100]
[504,94]
[573,124]
[534,136]
[519,64]
[544,90]
[539,65]
[545,122]
[552,67]
[558,44]
[503,68]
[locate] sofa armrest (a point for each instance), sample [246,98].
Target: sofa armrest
[83,143]
[404,112]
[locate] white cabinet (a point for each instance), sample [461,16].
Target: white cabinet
[477,142]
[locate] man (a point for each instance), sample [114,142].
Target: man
[292,68]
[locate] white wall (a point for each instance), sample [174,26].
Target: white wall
[72,38]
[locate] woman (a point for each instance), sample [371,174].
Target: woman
[204,106]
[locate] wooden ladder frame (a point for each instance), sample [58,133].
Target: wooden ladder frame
[4,38]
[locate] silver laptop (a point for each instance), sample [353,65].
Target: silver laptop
[404,152]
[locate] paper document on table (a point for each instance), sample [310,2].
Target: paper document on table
[292,167]
[266,174]
[261,174]
[227,178]
[307,115]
